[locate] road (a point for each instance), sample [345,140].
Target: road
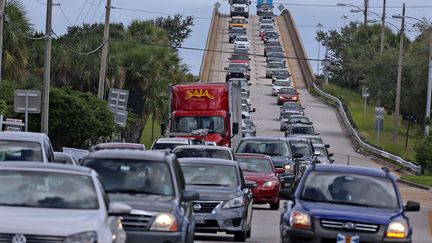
[265,227]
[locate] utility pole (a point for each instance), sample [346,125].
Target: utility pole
[429,86]
[366,6]
[102,71]
[319,25]
[326,62]
[47,69]
[383,27]
[2,17]
[399,77]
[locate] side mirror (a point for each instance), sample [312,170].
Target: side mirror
[327,145]
[297,155]
[162,128]
[118,209]
[286,194]
[235,128]
[250,184]
[330,155]
[250,84]
[412,206]
[253,110]
[189,196]
[332,161]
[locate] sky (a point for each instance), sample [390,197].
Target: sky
[326,12]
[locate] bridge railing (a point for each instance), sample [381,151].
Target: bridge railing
[210,44]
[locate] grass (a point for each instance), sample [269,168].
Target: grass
[423,180]
[146,137]
[364,121]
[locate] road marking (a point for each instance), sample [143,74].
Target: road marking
[430,222]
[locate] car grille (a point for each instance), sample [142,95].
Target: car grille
[32,238]
[350,226]
[137,220]
[238,9]
[205,206]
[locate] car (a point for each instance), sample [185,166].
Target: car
[298,129]
[241,51]
[225,203]
[264,8]
[170,143]
[152,183]
[305,154]
[266,15]
[268,49]
[64,158]
[324,156]
[266,22]
[57,203]
[274,66]
[346,204]
[100,146]
[280,74]
[291,106]
[237,70]
[245,110]
[245,95]
[272,43]
[276,57]
[203,151]
[315,139]
[260,169]
[285,117]
[250,124]
[240,58]
[271,34]
[25,146]
[299,118]
[241,42]
[280,152]
[248,133]
[238,21]
[234,32]
[287,95]
[278,84]
[265,27]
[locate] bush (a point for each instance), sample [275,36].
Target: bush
[423,151]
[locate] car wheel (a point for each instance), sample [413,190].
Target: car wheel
[249,233]
[240,236]
[274,206]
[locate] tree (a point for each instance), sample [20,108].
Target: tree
[423,151]
[177,27]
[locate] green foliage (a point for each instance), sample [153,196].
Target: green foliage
[424,152]
[423,180]
[177,27]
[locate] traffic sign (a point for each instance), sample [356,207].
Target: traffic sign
[281,7]
[117,99]
[27,100]
[365,92]
[120,118]
[217,5]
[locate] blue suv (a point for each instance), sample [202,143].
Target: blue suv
[345,204]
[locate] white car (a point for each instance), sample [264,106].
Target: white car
[170,143]
[241,42]
[25,146]
[280,83]
[56,203]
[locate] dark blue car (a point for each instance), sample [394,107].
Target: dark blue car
[336,203]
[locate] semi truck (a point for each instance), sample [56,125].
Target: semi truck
[214,107]
[239,8]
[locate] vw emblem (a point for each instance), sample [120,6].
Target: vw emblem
[197,207]
[19,239]
[349,226]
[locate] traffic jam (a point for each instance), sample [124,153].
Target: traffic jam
[205,174]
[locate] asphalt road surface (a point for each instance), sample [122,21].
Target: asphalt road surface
[265,226]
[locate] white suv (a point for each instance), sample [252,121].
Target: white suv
[241,42]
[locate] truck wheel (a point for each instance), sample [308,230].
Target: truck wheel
[240,236]
[274,206]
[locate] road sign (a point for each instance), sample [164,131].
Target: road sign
[365,92]
[120,118]
[117,99]
[217,5]
[27,101]
[379,121]
[281,7]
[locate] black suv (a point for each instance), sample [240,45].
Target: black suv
[235,70]
[234,32]
[152,183]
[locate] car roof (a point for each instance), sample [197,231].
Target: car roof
[251,155]
[128,154]
[318,145]
[212,147]
[54,167]
[297,139]
[173,140]
[301,125]
[353,170]
[238,17]
[207,161]
[264,139]
[22,136]
[118,146]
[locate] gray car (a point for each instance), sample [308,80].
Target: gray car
[234,32]
[56,203]
[152,183]
[276,57]
[193,151]
[225,203]
[25,146]
[273,66]
[286,116]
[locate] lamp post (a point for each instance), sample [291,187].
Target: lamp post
[429,85]
[319,25]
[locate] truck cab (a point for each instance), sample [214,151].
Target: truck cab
[239,8]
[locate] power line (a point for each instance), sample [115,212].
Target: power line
[154,12]
[19,31]
[75,51]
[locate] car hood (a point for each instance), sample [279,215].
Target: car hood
[145,202]
[349,213]
[46,221]
[215,193]
[258,177]
[281,160]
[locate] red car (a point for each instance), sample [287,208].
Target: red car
[240,58]
[287,95]
[260,169]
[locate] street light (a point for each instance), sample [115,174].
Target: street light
[429,85]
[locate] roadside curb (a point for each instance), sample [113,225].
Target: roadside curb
[414,184]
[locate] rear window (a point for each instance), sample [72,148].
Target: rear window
[203,153]
[20,151]
[271,148]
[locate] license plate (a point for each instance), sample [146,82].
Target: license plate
[200,219]
[348,238]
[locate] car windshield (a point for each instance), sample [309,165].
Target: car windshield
[271,148]
[267,27]
[20,151]
[245,108]
[241,51]
[303,130]
[239,57]
[210,174]
[322,151]
[239,1]
[350,189]
[163,146]
[244,39]
[255,164]
[133,176]
[238,21]
[301,147]
[282,83]
[291,106]
[47,190]
[276,54]
[302,119]
[203,153]
[287,91]
[274,49]
[317,140]
[248,122]
[276,65]
[287,115]
[240,68]
[273,43]
[214,124]
[238,31]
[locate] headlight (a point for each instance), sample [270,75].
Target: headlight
[85,237]
[235,203]
[289,169]
[164,222]
[300,220]
[269,183]
[397,229]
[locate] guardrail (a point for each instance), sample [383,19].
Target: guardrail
[309,78]
[210,43]
[407,164]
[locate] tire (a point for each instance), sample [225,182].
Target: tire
[275,206]
[240,236]
[247,15]
[249,233]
